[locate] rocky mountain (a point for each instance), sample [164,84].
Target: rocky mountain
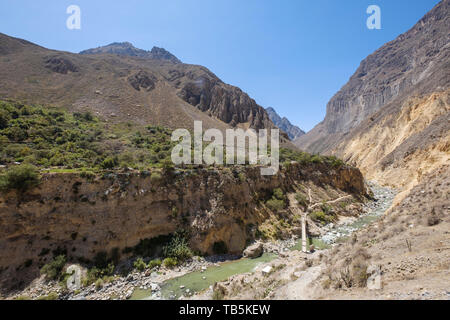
[392,118]
[121,83]
[127,49]
[284,124]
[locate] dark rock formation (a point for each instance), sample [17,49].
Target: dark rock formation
[60,65]
[142,80]
[284,124]
[228,103]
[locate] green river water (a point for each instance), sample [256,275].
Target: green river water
[198,281]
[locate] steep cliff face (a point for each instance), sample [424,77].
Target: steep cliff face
[416,63]
[392,119]
[80,217]
[230,104]
[403,145]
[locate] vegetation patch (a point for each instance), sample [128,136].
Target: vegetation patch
[53,269]
[278,200]
[20,178]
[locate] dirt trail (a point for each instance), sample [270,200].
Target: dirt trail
[300,289]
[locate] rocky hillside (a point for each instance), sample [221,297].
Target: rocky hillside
[392,118]
[127,49]
[284,124]
[82,216]
[123,84]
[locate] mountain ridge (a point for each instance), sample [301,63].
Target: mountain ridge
[127,87]
[284,124]
[128,49]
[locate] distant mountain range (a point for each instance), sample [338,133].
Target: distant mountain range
[284,124]
[119,82]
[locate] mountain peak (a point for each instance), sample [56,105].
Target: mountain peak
[284,124]
[128,49]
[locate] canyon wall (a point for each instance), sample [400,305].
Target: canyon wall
[83,216]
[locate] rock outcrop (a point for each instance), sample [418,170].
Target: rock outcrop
[284,124]
[60,65]
[254,251]
[228,103]
[142,80]
[127,49]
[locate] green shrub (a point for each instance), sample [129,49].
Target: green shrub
[99,283]
[96,273]
[22,178]
[139,264]
[278,194]
[321,216]
[278,201]
[110,163]
[4,119]
[275,204]
[170,262]
[178,248]
[301,199]
[53,270]
[154,263]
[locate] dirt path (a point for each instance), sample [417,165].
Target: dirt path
[300,289]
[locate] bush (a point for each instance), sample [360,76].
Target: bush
[98,273]
[4,119]
[154,264]
[53,270]
[278,194]
[170,262]
[278,201]
[275,204]
[320,216]
[110,163]
[301,199]
[139,264]
[178,248]
[99,284]
[21,178]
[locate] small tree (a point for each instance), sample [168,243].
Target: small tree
[21,178]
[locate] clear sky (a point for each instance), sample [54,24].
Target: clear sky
[290,55]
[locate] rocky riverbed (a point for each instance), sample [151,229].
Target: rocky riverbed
[383,196]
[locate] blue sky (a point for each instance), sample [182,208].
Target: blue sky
[290,55]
